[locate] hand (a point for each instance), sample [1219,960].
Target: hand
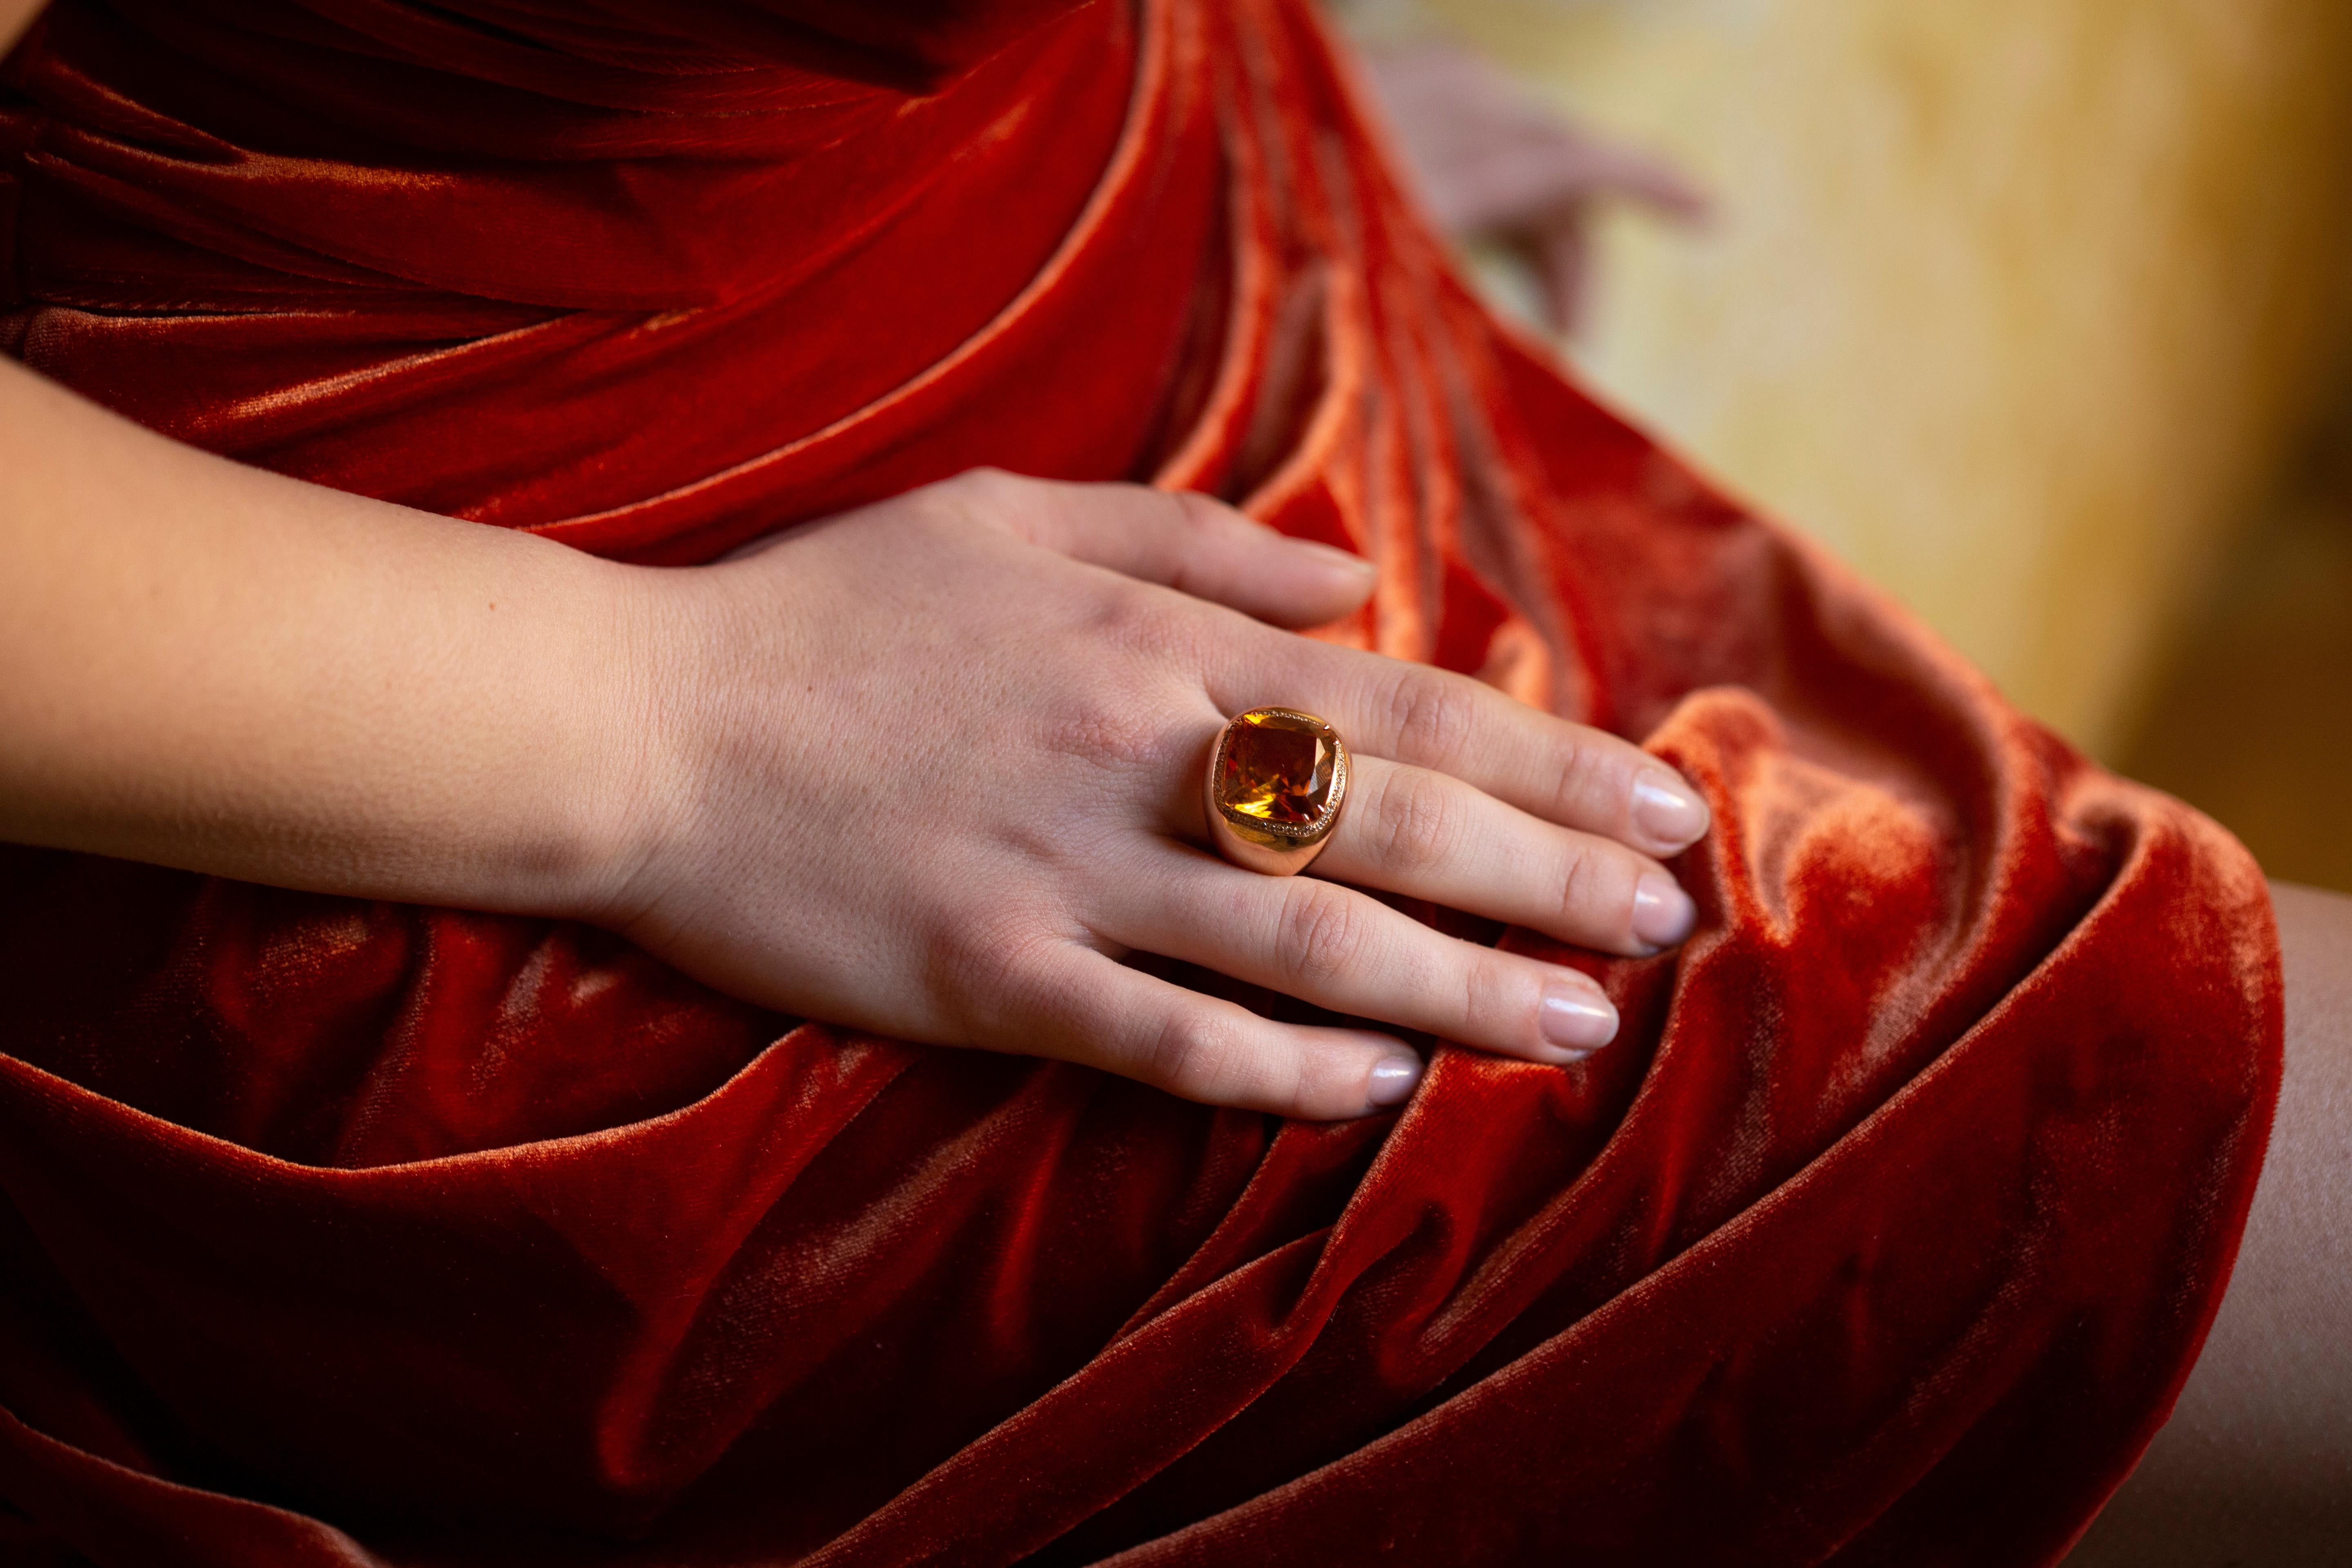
[1491,163]
[933,769]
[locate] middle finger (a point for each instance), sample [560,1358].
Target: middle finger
[1573,775]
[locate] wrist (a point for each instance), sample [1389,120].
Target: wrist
[613,773]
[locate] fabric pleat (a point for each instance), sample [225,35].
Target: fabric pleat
[345,1233]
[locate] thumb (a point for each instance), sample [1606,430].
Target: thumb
[1187,541]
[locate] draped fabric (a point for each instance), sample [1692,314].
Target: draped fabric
[349,1233]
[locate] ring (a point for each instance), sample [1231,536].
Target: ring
[1277,781]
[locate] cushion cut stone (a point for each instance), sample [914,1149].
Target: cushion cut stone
[1278,768]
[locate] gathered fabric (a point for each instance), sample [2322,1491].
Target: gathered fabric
[338,1232]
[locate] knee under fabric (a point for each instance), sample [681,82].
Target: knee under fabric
[338,1232]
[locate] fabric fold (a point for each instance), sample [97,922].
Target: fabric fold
[347,1233]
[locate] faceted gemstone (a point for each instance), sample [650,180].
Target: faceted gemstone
[1278,768]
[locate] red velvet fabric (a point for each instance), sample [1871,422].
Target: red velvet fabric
[347,1233]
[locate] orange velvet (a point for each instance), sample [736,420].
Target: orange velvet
[339,1233]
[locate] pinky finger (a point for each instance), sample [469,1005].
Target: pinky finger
[1219,1052]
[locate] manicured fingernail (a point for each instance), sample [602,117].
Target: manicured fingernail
[1394,1081]
[1662,914]
[1576,1022]
[1666,809]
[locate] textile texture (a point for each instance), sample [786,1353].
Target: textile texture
[349,1233]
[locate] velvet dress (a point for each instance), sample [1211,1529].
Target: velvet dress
[338,1232]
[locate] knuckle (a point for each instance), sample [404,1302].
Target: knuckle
[986,483]
[988,497]
[1193,1053]
[1119,739]
[990,963]
[1433,716]
[1187,542]
[1197,520]
[1595,893]
[1141,625]
[1584,780]
[1492,995]
[1321,935]
[1185,514]
[1418,824]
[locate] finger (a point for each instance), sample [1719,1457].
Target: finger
[1429,835]
[1211,1050]
[1343,950]
[1536,168]
[1614,169]
[1561,259]
[1193,543]
[1569,774]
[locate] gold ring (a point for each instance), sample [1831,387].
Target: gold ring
[1277,781]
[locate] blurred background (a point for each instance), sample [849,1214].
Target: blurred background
[2037,311]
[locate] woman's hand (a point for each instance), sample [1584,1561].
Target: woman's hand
[1495,165]
[929,769]
[933,769]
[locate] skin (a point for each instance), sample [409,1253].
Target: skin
[2255,1465]
[227,670]
[1493,164]
[223,670]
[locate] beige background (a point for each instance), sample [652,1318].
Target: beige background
[2025,307]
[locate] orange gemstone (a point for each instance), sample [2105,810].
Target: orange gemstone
[1278,768]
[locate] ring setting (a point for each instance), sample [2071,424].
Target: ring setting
[1277,781]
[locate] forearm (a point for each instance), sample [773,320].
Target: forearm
[15,15]
[215,667]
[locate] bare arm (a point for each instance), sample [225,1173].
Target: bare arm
[929,769]
[214,668]
[15,15]
[219,668]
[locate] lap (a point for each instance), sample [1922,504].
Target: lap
[2256,1463]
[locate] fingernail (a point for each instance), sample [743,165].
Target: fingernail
[1394,1081]
[1662,914]
[1665,808]
[1576,1022]
[1353,563]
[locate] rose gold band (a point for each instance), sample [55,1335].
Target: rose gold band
[1277,782]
